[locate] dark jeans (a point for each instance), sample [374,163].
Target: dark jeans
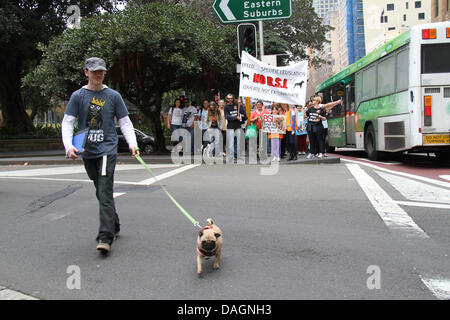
[109,220]
[174,127]
[316,140]
[291,143]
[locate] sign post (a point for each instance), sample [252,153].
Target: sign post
[232,11]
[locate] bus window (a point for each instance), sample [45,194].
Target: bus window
[402,70]
[435,58]
[369,83]
[386,76]
[359,87]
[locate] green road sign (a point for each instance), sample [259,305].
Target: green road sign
[230,11]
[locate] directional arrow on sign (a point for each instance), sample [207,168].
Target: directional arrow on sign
[230,11]
[226,10]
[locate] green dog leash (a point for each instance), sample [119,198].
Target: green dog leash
[194,222]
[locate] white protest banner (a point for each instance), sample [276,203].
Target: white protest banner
[275,124]
[277,84]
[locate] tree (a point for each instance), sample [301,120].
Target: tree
[150,49]
[24,24]
[302,31]
[296,38]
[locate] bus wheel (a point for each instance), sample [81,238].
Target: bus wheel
[370,144]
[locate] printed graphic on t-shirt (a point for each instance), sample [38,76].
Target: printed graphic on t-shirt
[314,114]
[95,120]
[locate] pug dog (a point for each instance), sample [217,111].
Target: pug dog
[209,243]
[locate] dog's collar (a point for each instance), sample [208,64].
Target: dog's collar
[207,227]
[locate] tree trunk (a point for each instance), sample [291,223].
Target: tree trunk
[155,123]
[11,97]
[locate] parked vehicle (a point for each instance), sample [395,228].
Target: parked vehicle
[145,142]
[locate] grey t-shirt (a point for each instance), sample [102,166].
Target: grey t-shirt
[96,110]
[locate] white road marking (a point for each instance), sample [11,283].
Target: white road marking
[423,204]
[8,294]
[417,191]
[445,177]
[390,212]
[383,162]
[168,174]
[74,170]
[404,174]
[439,287]
[118,194]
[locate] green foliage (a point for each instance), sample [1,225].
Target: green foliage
[155,46]
[303,31]
[149,50]
[41,131]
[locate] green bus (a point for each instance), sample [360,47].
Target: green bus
[396,98]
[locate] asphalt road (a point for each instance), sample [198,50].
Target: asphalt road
[307,232]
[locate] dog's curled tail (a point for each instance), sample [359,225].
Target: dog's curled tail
[210,221]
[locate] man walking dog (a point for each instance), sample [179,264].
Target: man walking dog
[96,106]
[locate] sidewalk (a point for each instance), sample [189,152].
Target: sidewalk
[57,157]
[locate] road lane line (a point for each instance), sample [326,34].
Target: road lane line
[168,174]
[8,294]
[416,191]
[74,170]
[423,204]
[404,174]
[390,212]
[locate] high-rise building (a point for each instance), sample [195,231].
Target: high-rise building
[355,30]
[322,7]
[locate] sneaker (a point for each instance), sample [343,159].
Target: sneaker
[320,156]
[104,246]
[278,159]
[274,159]
[309,156]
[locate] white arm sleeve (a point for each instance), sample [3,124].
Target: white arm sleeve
[67,126]
[128,131]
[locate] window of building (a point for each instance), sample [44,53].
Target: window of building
[407,5]
[391,28]
[422,16]
[390,7]
[404,17]
[418,4]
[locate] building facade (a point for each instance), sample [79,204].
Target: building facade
[440,10]
[386,19]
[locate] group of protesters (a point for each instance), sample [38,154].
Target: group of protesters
[305,126]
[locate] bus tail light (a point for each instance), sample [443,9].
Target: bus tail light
[427,111]
[448,33]
[429,34]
